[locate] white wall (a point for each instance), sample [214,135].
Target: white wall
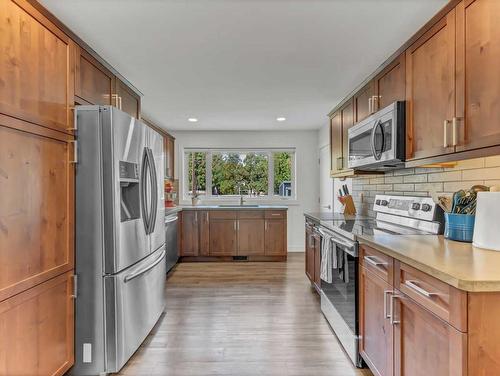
[307,172]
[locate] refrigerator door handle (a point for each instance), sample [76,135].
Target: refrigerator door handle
[141,271]
[154,192]
[144,213]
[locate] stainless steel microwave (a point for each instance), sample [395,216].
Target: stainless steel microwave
[378,142]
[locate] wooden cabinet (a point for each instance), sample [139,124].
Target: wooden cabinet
[347,114]
[424,344]
[223,237]
[250,236]
[376,330]
[190,241]
[93,82]
[204,231]
[317,260]
[126,99]
[275,237]
[478,77]
[36,68]
[37,329]
[169,156]
[336,142]
[390,85]
[364,102]
[37,201]
[430,91]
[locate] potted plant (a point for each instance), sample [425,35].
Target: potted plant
[195,195]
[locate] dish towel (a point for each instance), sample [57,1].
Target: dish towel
[326,269]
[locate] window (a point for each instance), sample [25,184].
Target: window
[220,173]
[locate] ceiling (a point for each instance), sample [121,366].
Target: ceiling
[240,64]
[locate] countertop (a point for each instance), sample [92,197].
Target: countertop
[172,210]
[459,264]
[235,207]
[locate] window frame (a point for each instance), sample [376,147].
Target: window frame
[208,173]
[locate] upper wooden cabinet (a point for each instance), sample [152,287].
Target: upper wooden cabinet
[430,90]
[364,102]
[93,82]
[347,115]
[336,142]
[36,67]
[126,99]
[169,156]
[478,75]
[390,84]
[37,201]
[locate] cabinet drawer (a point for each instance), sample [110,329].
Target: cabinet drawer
[223,214]
[275,214]
[251,214]
[445,301]
[377,262]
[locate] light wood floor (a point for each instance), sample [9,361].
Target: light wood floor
[241,319]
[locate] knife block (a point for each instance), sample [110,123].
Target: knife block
[348,203]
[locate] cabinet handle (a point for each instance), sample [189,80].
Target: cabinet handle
[420,290]
[74,278]
[207,217]
[195,217]
[372,260]
[386,315]
[445,135]
[454,126]
[235,224]
[393,322]
[374,101]
[120,103]
[339,163]
[370,105]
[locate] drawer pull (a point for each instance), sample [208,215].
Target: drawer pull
[386,314]
[372,260]
[392,320]
[412,285]
[275,214]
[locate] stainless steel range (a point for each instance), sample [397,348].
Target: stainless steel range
[395,215]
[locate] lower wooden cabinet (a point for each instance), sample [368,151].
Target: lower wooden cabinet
[223,237]
[190,241]
[250,236]
[309,256]
[317,260]
[425,344]
[37,329]
[275,237]
[376,340]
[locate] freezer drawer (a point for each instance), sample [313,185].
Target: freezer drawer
[135,300]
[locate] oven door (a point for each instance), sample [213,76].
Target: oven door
[339,299]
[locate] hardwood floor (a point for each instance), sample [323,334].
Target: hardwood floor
[241,319]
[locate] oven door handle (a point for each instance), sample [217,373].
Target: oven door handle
[376,154]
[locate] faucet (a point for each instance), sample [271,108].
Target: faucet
[242,200]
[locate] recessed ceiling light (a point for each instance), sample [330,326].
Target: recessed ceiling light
[193,120]
[281,118]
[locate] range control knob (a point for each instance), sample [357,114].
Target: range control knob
[415,206]
[377,202]
[384,202]
[426,207]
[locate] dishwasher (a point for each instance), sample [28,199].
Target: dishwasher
[171,245]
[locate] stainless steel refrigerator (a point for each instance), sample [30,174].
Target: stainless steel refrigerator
[120,237]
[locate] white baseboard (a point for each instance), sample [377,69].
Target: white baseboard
[295,249]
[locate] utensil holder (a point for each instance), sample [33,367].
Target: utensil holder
[348,203]
[459,227]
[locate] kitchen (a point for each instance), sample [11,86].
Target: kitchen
[158,229]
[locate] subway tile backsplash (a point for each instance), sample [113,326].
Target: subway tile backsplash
[422,180]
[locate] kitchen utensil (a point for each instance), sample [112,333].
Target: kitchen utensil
[459,227]
[340,192]
[495,188]
[437,200]
[445,203]
[479,188]
[346,190]
[457,196]
[486,233]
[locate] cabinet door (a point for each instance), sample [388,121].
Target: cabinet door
[37,206]
[363,102]
[189,233]
[424,344]
[93,82]
[169,157]
[317,259]
[36,68]
[37,329]
[336,142]
[376,331]
[223,237]
[275,237]
[347,113]
[309,256]
[478,55]
[204,229]
[430,91]
[126,100]
[250,237]
[390,83]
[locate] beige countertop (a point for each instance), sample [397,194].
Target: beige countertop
[234,207]
[458,264]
